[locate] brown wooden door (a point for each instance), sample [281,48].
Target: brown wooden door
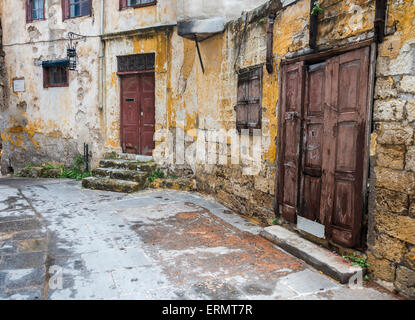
[344,150]
[147,119]
[290,139]
[137,113]
[312,143]
[130,114]
[328,128]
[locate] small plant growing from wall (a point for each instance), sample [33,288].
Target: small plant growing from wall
[275,221]
[75,172]
[316,9]
[156,175]
[357,261]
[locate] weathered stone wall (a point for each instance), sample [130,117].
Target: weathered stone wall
[206,101]
[2,84]
[52,124]
[49,124]
[391,238]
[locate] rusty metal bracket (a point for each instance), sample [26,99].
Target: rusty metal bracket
[199,54]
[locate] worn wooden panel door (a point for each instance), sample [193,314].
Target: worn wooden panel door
[138,113]
[147,120]
[322,144]
[312,144]
[344,146]
[130,110]
[290,139]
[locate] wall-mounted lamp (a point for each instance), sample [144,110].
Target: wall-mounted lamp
[71,50]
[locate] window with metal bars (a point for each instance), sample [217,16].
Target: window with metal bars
[76,8]
[136,3]
[136,62]
[35,10]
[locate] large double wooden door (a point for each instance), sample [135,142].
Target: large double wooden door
[137,113]
[322,143]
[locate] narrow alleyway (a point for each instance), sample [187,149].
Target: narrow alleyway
[147,245]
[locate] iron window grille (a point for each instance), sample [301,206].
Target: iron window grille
[136,62]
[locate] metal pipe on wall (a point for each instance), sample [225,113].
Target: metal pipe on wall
[101,59]
[270,42]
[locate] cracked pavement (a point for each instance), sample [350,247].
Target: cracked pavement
[59,241]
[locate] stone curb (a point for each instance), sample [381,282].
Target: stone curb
[320,258]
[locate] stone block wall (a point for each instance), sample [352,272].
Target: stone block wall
[391,235]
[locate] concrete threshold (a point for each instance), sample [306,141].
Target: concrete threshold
[320,258]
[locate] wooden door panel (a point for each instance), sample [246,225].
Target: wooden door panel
[346,118]
[130,114]
[313,129]
[349,78]
[315,91]
[311,196]
[290,139]
[314,139]
[147,119]
[343,203]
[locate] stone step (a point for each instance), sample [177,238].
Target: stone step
[128,165]
[108,184]
[183,184]
[320,258]
[119,164]
[126,156]
[121,174]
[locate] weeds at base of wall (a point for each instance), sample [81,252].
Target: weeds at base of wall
[156,174]
[56,171]
[357,261]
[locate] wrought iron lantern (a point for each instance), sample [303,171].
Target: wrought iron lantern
[71,53]
[71,50]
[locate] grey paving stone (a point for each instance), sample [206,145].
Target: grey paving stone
[13,215]
[75,247]
[8,247]
[23,278]
[138,280]
[347,294]
[308,281]
[22,261]
[169,293]
[96,286]
[2,279]
[26,294]
[29,234]
[115,259]
[19,225]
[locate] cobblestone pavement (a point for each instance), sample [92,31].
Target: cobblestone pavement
[58,241]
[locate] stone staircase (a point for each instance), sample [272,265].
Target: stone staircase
[121,172]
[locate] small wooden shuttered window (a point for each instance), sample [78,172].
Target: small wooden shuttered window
[136,3]
[76,8]
[248,108]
